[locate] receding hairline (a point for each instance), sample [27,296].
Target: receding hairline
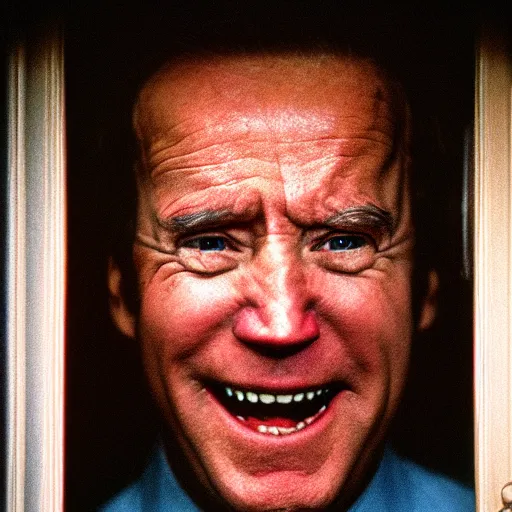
[314,56]
[310,57]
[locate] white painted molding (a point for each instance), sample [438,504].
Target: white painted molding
[36,254]
[493,272]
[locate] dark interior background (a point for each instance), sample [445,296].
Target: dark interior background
[110,422]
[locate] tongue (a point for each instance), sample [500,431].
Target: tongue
[270,422]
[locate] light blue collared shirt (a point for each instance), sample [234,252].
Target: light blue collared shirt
[398,486]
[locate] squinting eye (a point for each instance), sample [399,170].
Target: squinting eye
[207,243]
[343,243]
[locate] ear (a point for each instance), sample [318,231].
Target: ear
[120,313]
[429,307]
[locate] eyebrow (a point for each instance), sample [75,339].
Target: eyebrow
[367,216]
[198,221]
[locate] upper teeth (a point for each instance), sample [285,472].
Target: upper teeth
[269,398]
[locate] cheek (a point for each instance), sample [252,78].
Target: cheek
[374,319]
[179,312]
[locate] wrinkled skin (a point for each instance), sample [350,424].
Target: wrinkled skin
[274,252]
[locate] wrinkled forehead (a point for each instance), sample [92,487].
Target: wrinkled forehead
[319,91]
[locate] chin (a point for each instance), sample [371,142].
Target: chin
[328,462]
[279,493]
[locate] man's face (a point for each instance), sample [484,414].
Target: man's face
[273,254]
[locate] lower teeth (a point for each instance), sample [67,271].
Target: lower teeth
[283,431]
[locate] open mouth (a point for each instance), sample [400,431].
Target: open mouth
[275,414]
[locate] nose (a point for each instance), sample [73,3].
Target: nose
[278,314]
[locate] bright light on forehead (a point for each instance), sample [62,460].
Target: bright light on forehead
[198,113]
[304,122]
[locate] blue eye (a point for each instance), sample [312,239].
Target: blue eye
[207,243]
[343,243]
